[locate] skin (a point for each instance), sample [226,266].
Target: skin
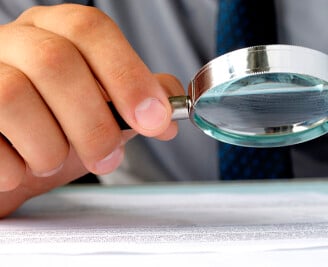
[59,65]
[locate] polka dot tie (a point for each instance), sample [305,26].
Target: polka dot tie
[243,23]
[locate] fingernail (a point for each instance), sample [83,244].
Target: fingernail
[110,162]
[48,173]
[150,113]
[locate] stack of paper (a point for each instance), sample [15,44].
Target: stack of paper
[248,224]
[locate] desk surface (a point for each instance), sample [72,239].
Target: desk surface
[226,224]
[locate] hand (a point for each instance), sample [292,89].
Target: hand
[59,66]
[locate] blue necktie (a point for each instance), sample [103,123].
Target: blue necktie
[244,23]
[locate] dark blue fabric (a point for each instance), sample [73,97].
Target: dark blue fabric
[244,23]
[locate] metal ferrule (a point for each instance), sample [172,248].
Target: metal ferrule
[180,107]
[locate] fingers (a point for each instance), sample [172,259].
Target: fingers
[63,79]
[53,73]
[134,91]
[25,121]
[31,186]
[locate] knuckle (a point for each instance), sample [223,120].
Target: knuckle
[52,51]
[13,84]
[53,55]
[84,19]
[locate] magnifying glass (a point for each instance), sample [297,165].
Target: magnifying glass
[262,96]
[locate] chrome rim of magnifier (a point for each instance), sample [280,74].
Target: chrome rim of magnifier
[255,60]
[249,61]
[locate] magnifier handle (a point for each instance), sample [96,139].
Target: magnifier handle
[180,110]
[180,107]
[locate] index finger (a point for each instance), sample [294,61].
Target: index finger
[134,90]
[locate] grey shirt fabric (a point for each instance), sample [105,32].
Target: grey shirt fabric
[178,37]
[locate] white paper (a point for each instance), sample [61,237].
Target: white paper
[196,225]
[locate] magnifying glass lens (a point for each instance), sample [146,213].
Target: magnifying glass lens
[261,96]
[264,110]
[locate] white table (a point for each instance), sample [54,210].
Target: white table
[226,224]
